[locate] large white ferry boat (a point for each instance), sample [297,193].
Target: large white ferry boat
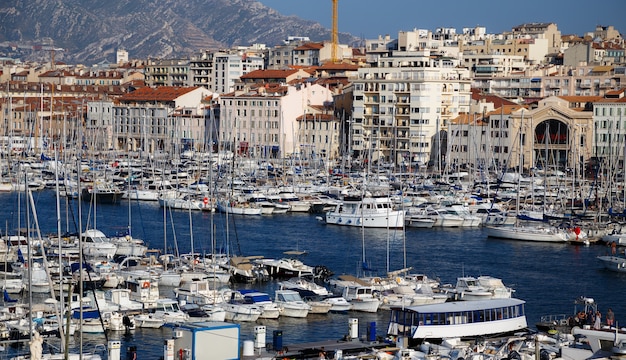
[458,319]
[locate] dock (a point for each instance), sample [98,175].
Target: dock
[333,350]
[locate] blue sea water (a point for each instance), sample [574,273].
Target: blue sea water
[549,277]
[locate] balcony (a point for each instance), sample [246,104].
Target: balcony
[403,135]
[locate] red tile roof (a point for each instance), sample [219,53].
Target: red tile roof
[310,46]
[162,93]
[495,100]
[269,74]
[581,99]
[316,117]
[329,65]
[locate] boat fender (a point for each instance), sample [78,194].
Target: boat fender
[145,285]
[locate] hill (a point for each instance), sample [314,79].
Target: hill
[90,31]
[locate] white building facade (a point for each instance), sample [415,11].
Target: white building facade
[262,121]
[228,68]
[403,102]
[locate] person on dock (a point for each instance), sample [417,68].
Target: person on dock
[610,317]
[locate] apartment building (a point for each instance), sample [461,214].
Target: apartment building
[261,119]
[483,140]
[281,56]
[167,72]
[537,31]
[201,70]
[271,76]
[402,102]
[307,54]
[493,64]
[318,133]
[540,82]
[609,126]
[532,50]
[228,68]
[150,119]
[51,122]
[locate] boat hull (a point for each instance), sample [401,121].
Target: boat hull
[525,234]
[613,263]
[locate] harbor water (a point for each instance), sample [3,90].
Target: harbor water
[549,277]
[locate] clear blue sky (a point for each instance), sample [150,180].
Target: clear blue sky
[370,18]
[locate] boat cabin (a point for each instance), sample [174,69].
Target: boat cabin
[458,319]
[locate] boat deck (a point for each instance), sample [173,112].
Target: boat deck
[312,350]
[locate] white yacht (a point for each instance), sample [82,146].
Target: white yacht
[237,309]
[129,246]
[170,312]
[96,244]
[359,294]
[468,288]
[270,310]
[369,212]
[288,267]
[291,304]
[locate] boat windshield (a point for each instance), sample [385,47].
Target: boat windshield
[288,297]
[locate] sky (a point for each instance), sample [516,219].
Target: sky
[370,18]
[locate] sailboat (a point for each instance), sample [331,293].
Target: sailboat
[539,232]
[36,340]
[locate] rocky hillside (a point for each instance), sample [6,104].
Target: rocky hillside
[91,31]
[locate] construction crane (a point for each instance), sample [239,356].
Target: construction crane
[335,34]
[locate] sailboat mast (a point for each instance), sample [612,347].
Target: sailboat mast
[58,205]
[29,261]
[521,166]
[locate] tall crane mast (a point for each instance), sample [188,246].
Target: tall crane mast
[335,34]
